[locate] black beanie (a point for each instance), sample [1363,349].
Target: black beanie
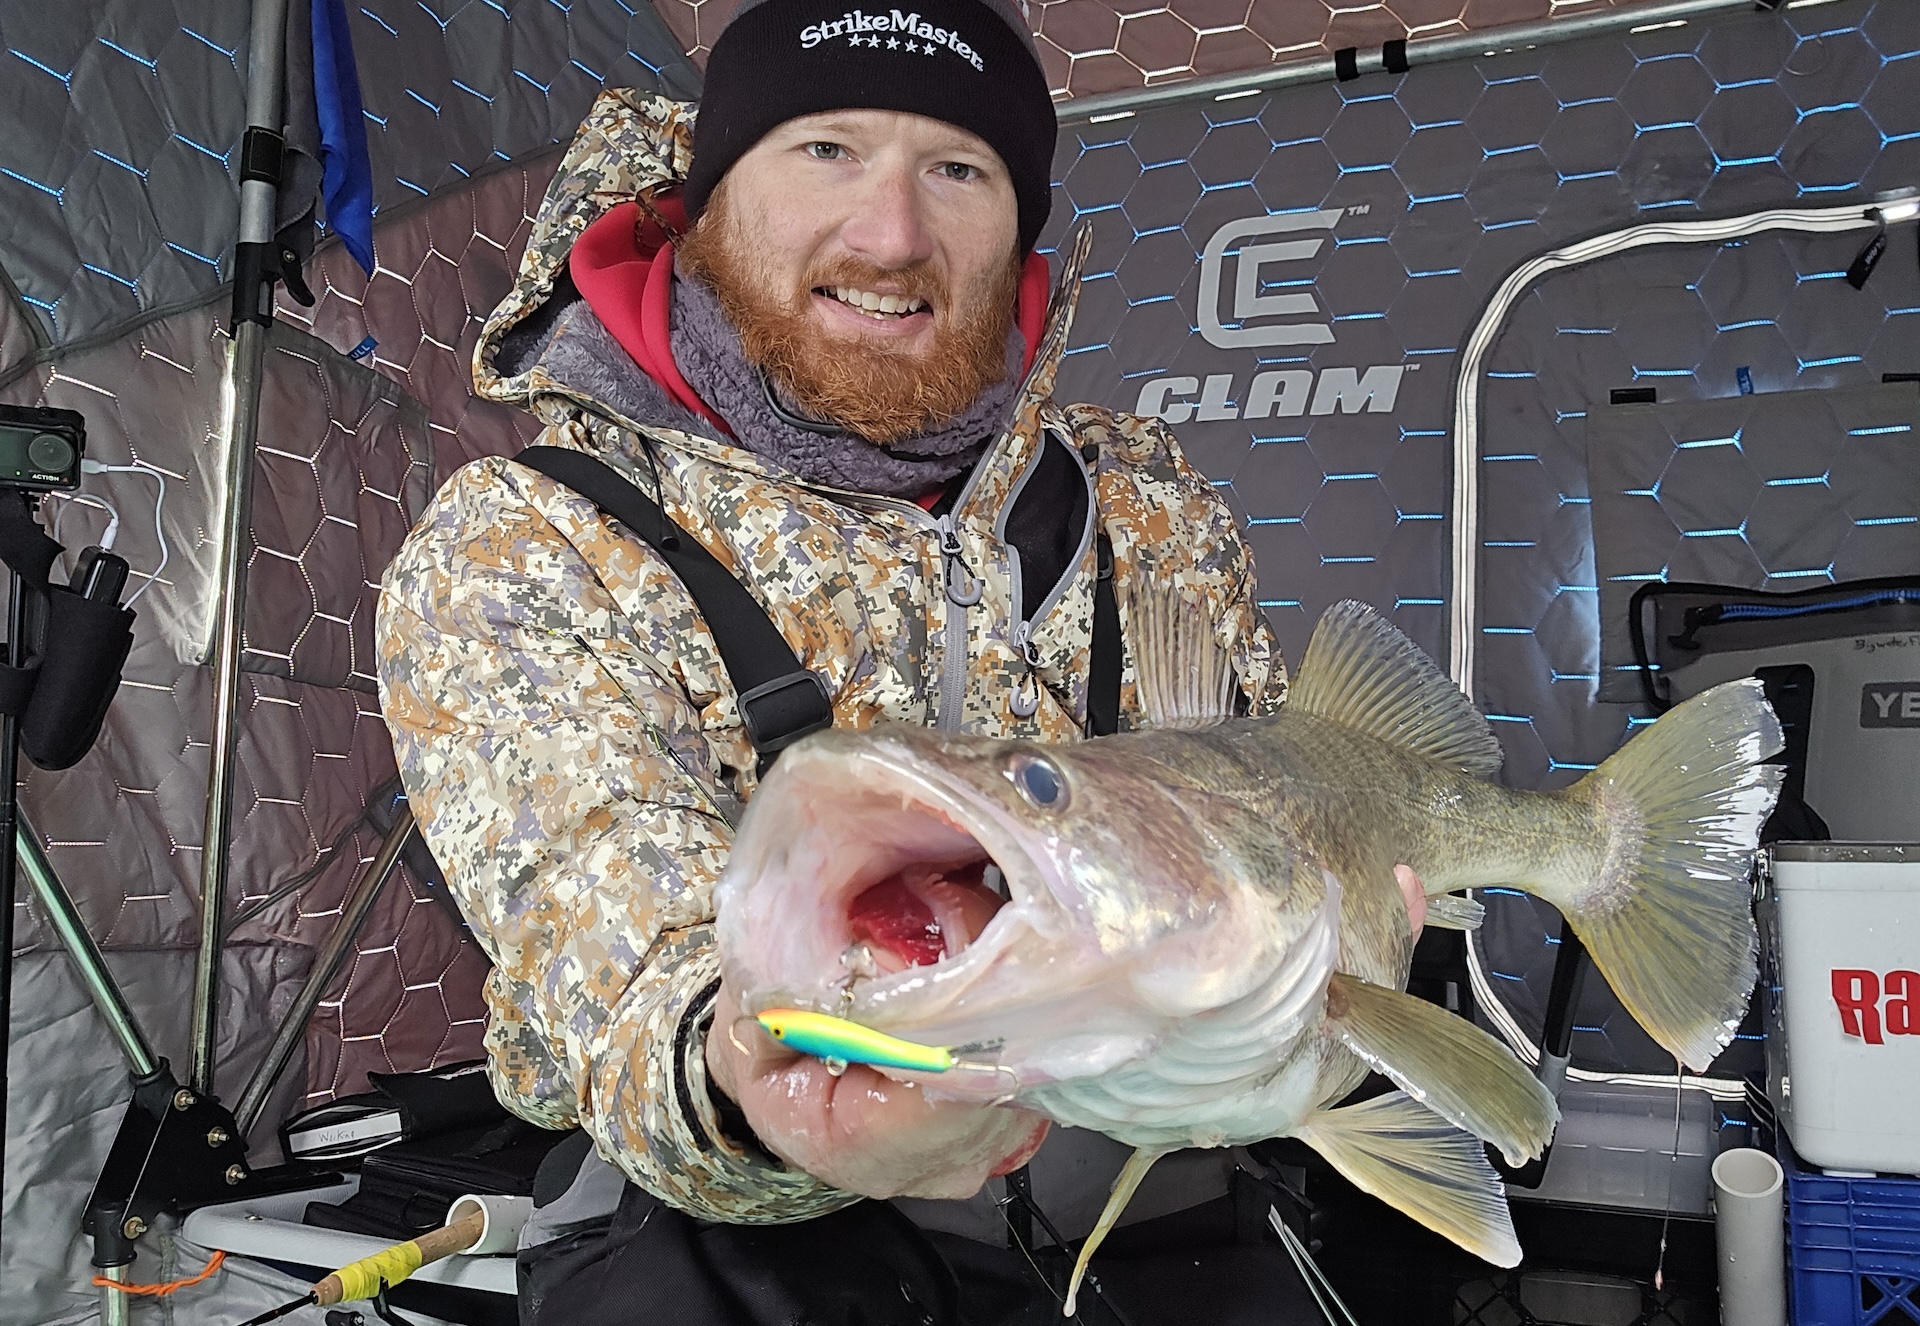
[970,63]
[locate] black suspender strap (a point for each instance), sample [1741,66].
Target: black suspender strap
[780,700]
[1103,669]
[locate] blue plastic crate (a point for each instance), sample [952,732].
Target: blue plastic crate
[1854,1247]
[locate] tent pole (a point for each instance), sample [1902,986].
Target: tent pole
[253,309]
[16,656]
[88,963]
[1477,44]
[326,964]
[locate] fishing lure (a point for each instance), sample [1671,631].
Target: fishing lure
[837,1040]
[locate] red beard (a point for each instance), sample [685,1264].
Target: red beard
[873,390]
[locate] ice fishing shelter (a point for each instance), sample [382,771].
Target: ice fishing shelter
[1386,267]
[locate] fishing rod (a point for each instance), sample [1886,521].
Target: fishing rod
[371,1277]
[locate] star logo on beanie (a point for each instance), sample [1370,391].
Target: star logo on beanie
[862,29]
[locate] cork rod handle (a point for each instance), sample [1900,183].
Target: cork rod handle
[362,1279]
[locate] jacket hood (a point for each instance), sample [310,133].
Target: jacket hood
[633,145]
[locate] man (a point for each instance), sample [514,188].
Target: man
[815,328]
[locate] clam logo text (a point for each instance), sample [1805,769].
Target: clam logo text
[1243,266]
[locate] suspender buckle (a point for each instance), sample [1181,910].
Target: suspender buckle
[780,712]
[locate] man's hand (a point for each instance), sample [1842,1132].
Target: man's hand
[862,1131]
[1416,896]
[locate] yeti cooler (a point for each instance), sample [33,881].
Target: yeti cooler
[1841,926]
[1863,733]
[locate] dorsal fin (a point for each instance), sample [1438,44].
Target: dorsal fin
[1182,675]
[1362,673]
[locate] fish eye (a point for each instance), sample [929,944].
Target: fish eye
[1040,781]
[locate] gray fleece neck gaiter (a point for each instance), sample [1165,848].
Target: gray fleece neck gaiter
[708,351]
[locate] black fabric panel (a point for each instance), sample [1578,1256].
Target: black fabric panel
[865,1266]
[561,1165]
[445,1100]
[870,1266]
[24,546]
[1046,522]
[86,646]
[1104,663]
[525,340]
[408,1188]
[16,688]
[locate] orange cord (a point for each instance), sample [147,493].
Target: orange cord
[160,1291]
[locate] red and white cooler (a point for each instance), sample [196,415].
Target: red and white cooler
[1841,923]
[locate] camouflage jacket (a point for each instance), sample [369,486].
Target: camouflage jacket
[573,748]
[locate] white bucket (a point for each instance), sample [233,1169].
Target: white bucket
[1843,1026]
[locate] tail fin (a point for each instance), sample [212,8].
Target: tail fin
[1667,920]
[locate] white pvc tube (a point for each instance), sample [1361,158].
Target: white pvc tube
[503,1219]
[1747,1228]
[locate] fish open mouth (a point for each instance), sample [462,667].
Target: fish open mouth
[918,915]
[857,881]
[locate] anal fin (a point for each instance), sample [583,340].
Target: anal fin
[1445,1063]
[1124,1186]
[1414,1161]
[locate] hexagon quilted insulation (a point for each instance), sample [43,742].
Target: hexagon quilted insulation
[1288,275]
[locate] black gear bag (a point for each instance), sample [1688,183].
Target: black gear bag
[76,637]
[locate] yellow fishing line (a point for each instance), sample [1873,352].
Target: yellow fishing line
[362,1279]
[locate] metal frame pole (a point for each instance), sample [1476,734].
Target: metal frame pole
[265,66]
[1419,50]
[326,963]
[9,811]
[66,921]
[115,1308]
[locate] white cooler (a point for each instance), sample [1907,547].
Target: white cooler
[1841,923]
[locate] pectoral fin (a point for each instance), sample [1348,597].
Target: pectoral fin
[1445,1063]
[1123,1189]
[1417,1163]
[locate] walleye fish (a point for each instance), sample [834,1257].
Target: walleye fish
[1203,942]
